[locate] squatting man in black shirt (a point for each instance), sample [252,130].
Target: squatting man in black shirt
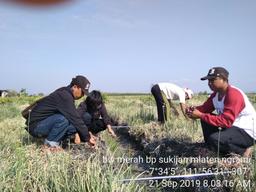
[55,116]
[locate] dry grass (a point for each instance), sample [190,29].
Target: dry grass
[25,168]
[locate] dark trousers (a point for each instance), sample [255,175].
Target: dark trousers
[232,139]
[161,106]
[94,125]
[54,128]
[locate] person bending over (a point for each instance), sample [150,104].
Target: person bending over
[171,92]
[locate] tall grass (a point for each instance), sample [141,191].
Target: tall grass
[140,112]
[25,167]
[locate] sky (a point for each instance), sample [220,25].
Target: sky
[127,45]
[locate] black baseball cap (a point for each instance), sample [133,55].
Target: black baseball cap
[216,72]
[82,82]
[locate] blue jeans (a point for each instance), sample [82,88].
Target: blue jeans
[54,129]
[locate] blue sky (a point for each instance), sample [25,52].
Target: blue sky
[127,45]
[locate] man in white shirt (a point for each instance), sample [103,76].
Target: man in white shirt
[171,92]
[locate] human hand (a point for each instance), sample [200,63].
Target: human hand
[189,110]
[92,140]
[111,132]
[195,114]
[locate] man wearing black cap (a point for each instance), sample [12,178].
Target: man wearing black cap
[234,115]
[55,117]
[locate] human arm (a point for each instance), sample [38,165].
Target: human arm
[196,112]
[207,106]
[111,131]
[65,105]
[233,105]
[183,109]
[106,120]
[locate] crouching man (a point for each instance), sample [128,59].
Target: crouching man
[235,116]
[55,117]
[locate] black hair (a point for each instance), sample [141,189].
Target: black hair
[94,100]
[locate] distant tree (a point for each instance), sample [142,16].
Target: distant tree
[12,93]
[203,93]
[40,94]
[23,92]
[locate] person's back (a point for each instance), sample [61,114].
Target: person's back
[172,91]
[168,91]
[50,105]
[247,117]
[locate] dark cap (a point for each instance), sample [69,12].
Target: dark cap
[82,82]
[216,72]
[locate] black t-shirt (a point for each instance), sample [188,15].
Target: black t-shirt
[60,101]
[95,113]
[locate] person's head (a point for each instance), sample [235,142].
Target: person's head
[94,100]
[80,86]
[189,93]
[217,78]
